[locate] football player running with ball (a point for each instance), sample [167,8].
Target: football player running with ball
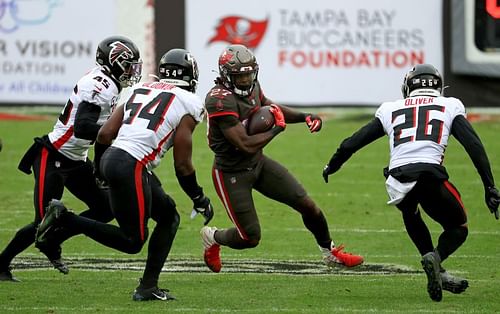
[418,127]
[59,159]
[241,167]
[156,117]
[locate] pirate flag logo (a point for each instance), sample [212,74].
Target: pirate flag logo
[240,30]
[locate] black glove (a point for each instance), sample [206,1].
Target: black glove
[492,199]
[99,149]
[201,205]
[330,169]
[314,122]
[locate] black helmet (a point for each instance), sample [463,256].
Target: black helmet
[120,57]
[178,67]
[424,77]
[238,60]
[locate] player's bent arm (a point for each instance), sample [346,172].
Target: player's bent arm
[463,131]
[185,172]
[313,121]
[249,144]
[292,116]
[86,118]
[364,136]
[183,146]
[108,132]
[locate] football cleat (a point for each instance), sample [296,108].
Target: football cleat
[53,253]
[453,284]
[430,263]
[60,265]
[337,257]
[54,212]
[151,294]
[6,275]
[211,254]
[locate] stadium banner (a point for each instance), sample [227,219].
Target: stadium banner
[46,45]
[320,52]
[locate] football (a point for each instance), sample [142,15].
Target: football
[260,121]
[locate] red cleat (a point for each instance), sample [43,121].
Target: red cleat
[212,258]
[347,259]
[212,249]
[337,257]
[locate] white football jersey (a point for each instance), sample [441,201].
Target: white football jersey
[152,113]
[418,128]
[94,87]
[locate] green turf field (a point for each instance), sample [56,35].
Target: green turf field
[284,274]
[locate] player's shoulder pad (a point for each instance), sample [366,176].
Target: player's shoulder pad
[455,105]
[96,87]
[220,99]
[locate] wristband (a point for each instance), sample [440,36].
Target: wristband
[190,185]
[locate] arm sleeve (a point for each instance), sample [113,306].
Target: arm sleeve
[364,136]
[462,130]
[86,118]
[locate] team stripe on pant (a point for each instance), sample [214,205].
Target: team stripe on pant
[220,188]
[454,192]
[41,181]
[140,196]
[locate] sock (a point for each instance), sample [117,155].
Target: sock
[318,226]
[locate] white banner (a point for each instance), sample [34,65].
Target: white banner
[47,45]
[320,52]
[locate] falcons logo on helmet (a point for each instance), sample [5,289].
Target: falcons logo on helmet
[119,51]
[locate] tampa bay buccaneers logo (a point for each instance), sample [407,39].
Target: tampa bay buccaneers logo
[240,30]
[119,52]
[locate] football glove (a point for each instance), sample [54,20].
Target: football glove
[99,179]
[314,122]
[202,205]
[331,168]
[279,118]
[492,198]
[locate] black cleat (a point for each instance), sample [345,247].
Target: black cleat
[60,265]
[151,294]
[54,212]
[6,275]
[53,252]
[430,263]
[453,284]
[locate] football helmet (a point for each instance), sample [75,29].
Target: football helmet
[179,67]
[422,79]
[120,57]
[238,69]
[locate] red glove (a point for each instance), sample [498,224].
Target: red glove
[314,122]
[279,118]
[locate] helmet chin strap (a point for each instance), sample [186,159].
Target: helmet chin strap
[243,92]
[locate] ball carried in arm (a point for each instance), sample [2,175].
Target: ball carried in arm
[260,121]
